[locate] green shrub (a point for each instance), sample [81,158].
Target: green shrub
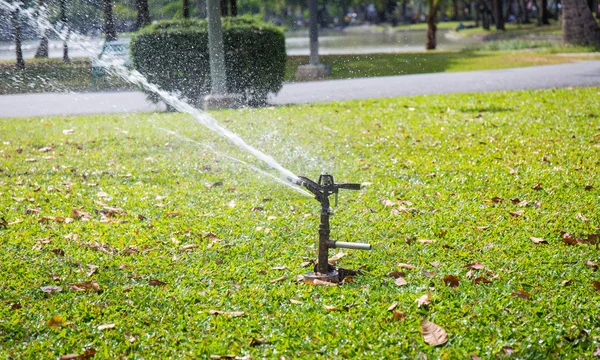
[174,55]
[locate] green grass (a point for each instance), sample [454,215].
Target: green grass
[448,155]
[356,66]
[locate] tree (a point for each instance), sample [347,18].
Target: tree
[430,42]
[143,13]
[499,14]
[186,9]
[42,50]
[16,22]
[65,27]
[542,13]
[109,25]
[578,25]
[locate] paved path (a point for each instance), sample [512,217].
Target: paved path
[584,73]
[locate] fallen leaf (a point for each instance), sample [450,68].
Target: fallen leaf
[537,187]
[130,338]
[538,240]
[515,200]
[517,213]
[392,307]
[51,289]
[323,283]
[388,202]
[69,357]
[106,327]
[569,239]
[82,286]
[589,187]
[227,313]
[566,282]
[481,228]
[592,265]
[426,241]
[155,282]
[497,199]
[55,321]
[400,281]
[475,266]
[78,214]
[451,280]
[406,266]
[189,247]
[399,315]
[297,302]
[581,217]
[58,252]
[433,334]
[522,294]
[172,213]
[330,308]
[475,357]
[596,284]
[428,273]
[131,250]
[281,267]
[277,280]
[481,280]
[435,263]
[423,300]
[16,306]
[396,274]
[231,204]
[68,131]
[257,341]
[335,258]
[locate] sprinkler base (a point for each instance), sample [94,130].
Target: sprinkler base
[332,277]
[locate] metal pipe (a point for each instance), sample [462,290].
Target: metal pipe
[351,245]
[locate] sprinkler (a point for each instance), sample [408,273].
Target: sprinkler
[322,190]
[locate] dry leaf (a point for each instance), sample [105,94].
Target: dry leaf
[508,350]
[231,204]
[581,217]
[424,300]
[55,321]
[497,199]
[227,313]
[589,187]
[277,280]
[69,357]
[297,302]
[406,266]
[522,294]
[399,315]
[566,282]
[396,274]
[172,213]
[393,306]
[475,266]
[281,267]
[58,252]
[257,341]
[16,306]
[330,308]
[569,239]
[189,247]
[400,281]
[106,327]
[335,258]
[481,280]
[538,240]
[428,273]
[592,265]
[426,241]
[82,286]
[155,282]
[517,213]
[451,280]
[433,334]
[388,203]
[435,263]
[323,283]
[51,289]
[596,284]
[537,187]
[481,228]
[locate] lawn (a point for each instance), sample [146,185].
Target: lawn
[122,239]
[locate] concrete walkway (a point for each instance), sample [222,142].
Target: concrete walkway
[583,73]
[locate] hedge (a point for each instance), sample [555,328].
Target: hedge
[174,55]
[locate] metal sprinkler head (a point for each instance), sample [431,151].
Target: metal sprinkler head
[322,190]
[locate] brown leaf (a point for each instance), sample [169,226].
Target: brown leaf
[297,302]
[388,202]
[82,286]
[330,308]
[399,315]
[537,187]
[596,284]
[172,214]
[538,240]
[406,266]
[155,282]
[429,274]
[307,263]
[257,341]
[396,274]
[581,217]
[475,266]
[227,313]
[435,263]
[323,283]
[77,214]
[517,213]
[481,280]
[16,306]
[433,334]
[58,252]
[591,264]
[106,327]
[569,239]
[589,187]
[281,267]
[424,300]
[451,280]
[481,228]
[393,306]
[69,357]
[400,281]
[426,241]
[335,258]
[522,294]
[51,289]
[475,357]
[508,350]
[277,280]
[189,247]
[131,250]
[497,199]
[566,282]
[55,321]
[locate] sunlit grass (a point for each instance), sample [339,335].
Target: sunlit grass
[447,157]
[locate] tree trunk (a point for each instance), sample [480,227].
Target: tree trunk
[542,13]
[64,26]
[233,7]
[498,14]
[430,43]
[16,22]
[186,9]
[109,25]
[578,24]
[143,14]
[42,50]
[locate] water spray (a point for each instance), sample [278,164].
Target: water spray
[322,190]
